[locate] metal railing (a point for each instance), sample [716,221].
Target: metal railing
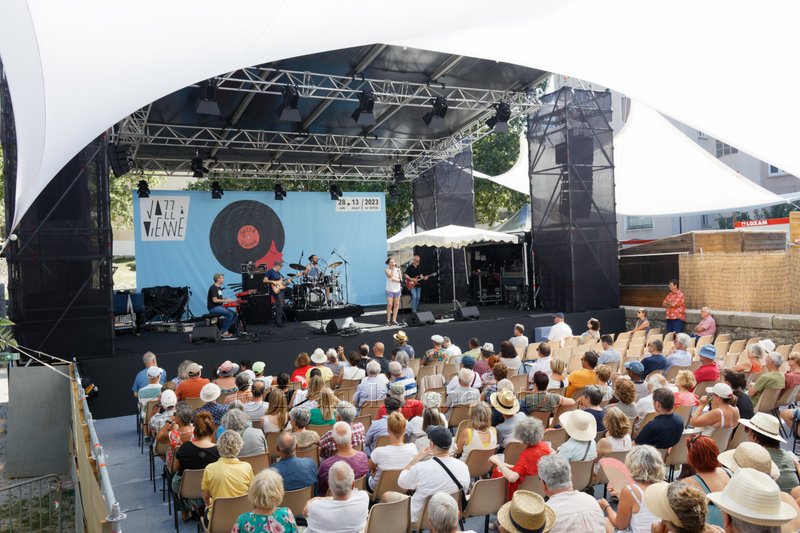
[33,505]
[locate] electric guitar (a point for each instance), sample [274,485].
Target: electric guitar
[413,282]
[285,282]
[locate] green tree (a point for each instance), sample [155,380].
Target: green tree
[398,208]
[773,211]
[120,193]
[493,155]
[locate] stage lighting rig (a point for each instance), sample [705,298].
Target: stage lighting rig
[398,173]
[207,105]
[280,193]
[198,170]
[216,191]
[393,192]
[335,191]
[499,122]
[435,117]
[144,189]
[363,115]
[288,112]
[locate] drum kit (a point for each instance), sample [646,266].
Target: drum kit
[314,292]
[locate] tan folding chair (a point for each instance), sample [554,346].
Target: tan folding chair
[458,414]
[678,455]
[672,373]
[366,421]
[387,483]
[478,462]
[258,462]
[575,363]
[531,351]
[581,474]
[423,518]
[722,437]
[383,440]
[272,442]
[533,484]
[190,489]
[345,394]
[311,452]
[561,409]
[685,412]
[449,369]
[737,346]
[646,420]
[370,410]
[296,500]
[462,427]
[512,452]
[488,496]
[226,511]
[349,383]
[425,371]
[397,513]
[413,364]
[196,403]
[556,437]
[520,382]
[320,429]
[768,400]
[541,416]
[700,388]
[739,436]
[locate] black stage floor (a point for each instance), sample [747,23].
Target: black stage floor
[278,347]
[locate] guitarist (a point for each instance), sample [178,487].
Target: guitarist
[414,274]
[214,303]
[278,289]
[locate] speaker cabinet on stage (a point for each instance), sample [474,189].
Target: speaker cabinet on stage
[421,318]
[467,313]
[254,281]
[204,334]
[258,309]
[573,214]
[336,325]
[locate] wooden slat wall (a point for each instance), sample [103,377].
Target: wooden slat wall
[794,226]
[724,241]
[642,295]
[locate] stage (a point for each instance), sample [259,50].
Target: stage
[278,347]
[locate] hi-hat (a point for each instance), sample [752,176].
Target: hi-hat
[337,264]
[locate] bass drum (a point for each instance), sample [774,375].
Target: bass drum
[315,297]
[298,296]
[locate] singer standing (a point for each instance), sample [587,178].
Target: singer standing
[214,304]
[393,278]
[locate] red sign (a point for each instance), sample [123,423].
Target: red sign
[763,222]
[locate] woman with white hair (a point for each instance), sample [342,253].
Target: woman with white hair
[442,514]
[529,431]
[646,468]
[300,417]
[402,358]
[754,362]
[254,442]
[265,494]
[228,477]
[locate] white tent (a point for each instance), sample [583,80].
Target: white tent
[391,242]
[72,75]
[653,157]
[453,237]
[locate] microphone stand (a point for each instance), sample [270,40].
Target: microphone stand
[346,282]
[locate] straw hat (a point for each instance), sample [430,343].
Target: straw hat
[765,424]
[580,425]
[319,357]
[526,512]
[400,336]
[753,497]
[749,455]
[210,392]
[505,401]
[656,500]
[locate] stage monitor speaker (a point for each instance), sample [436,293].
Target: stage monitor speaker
[254,281]
[421,318]
[467,313]
[204,334]
[338,324]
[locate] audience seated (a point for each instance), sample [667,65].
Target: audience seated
[582,430]
[345,412]
[345,511]
[529,432]
[751,499]
[395,455]
[679,356]
[464,394]
[358,460]
[453,352]
[686,384]
[506,403]
[210,394]
[401,341]
[519,340]
[526,511]
[226,377]
[592,333]
[276,417]
[584,377]
[480,435]
[377,355]
[253,440]
[325,411]
[618,435]
[665,430]
[437,354]
[646,468]
[708,369]
[722,411]
[265,495]
[709,475]
[168,400]
[625,394]
[634,371]
[353,371]
[195,454]
[541,364]
[469,363]
[764,429]
[372,387]
[379,426]
[141,380]
[575,511]
[409,407]
[228,477]
[590,401]
[490,379]
[645,405]
[655,360]
[283,386]
[560,329]
[642,322]
[603,375]
[609,356]
[193,384]
[430,416]
[509,357]
[151,390]
[256,407]
[754,361]
[177,430]
[402,358]
[681,507]
[319,360]
[309,397]
[397,375]
[771,379]
[443,514]
[300,417]
[297,472]
[302,364]
[474,349]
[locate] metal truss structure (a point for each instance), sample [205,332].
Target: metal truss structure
[363,156]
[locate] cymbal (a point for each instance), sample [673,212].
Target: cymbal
[337,264]
[296,266]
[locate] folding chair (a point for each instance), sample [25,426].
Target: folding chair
[387,483]
[722,437]
[458,414]
[191,481]
[311,452]
[258,462]
[478,462]
[768,400]
[345,394]
[488,496]
[296,500]
[556,437]
[512,452]
[398,514]
[581,474]
[678,455]
[423,518]
[646,420]
[520,382]
[226,511]
[739,436]
[272,442]
[533,484]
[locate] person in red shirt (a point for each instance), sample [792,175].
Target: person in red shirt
[675,306]
[529,431]
[708,370]
[409,407]
[190,387]
[303,365]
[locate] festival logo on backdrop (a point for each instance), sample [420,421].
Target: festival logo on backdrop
[246,231]
[164,218]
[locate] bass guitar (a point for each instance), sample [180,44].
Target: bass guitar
[413,282]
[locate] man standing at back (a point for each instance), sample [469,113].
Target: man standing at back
[141,380]
[560,329]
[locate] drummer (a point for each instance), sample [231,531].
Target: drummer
[313,270]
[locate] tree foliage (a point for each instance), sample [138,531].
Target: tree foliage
[398,209]
[120,190]
[493,155]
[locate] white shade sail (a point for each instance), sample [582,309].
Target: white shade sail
[453,237]
[72,75]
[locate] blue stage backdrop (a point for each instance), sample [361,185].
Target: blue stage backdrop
[183,237]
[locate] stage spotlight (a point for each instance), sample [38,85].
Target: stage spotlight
[198,170]
[280,193]
[144,189]
[393,192]
[335,191]
[435,117]
[288,111]
[397,173]
[207,105]
[499,122]
[216,191]
[363,114]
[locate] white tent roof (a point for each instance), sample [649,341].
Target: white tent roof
[652,156]
[72,76]
[453,237]
[405,232]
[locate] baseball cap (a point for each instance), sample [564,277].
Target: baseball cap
[153,372]
[559,315]
[438,339]
[635,366]
[440,437]
[488,347]
[723,390]
[468,361]
[194,369]
[168,398]
[258,367]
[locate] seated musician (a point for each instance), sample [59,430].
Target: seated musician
[277,289]
[215,306]
[313,270]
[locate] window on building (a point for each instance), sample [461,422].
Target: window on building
[705,221]
[774,171]
[638,223]
[701,135]
[725,149]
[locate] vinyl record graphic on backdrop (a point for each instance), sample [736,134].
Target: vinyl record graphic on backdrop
[246,231]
